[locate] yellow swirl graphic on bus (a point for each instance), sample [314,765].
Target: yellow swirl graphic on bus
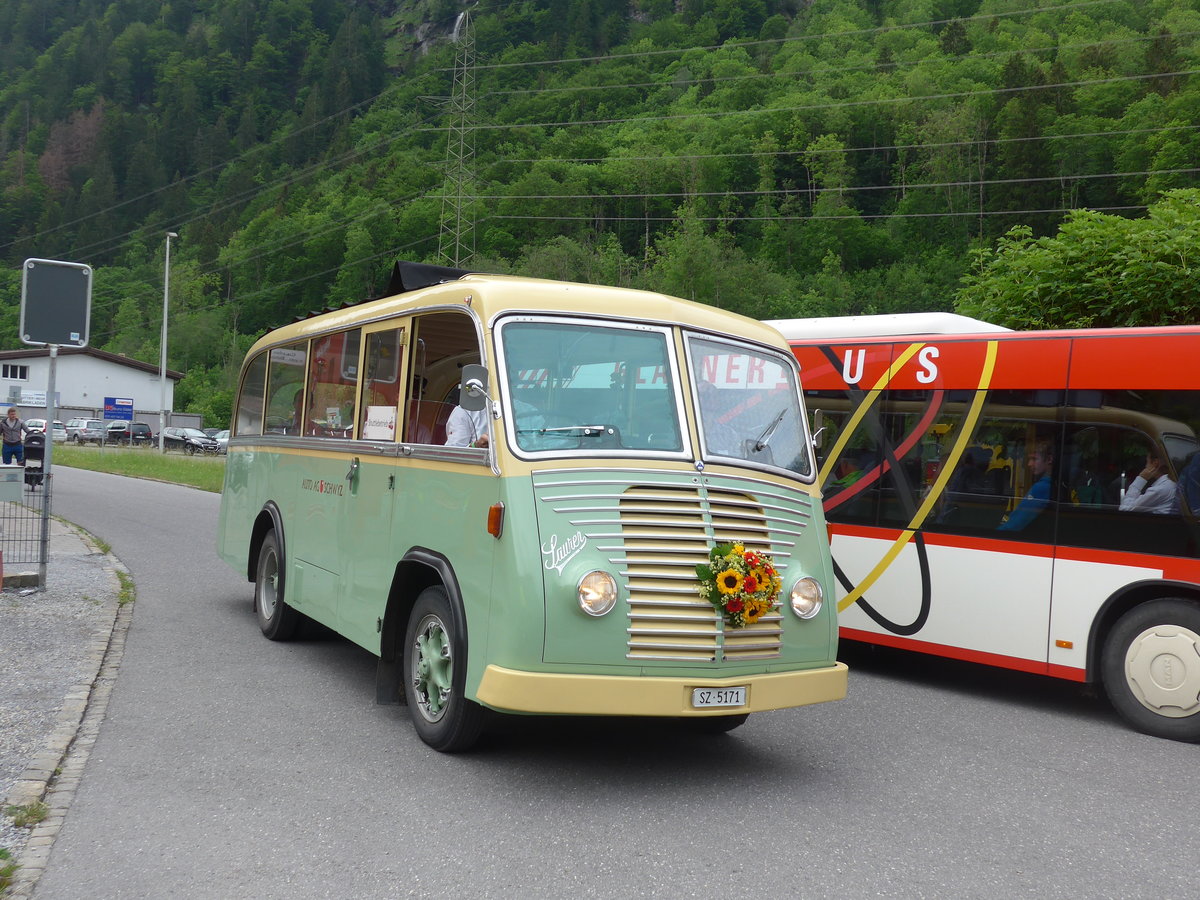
[939,484]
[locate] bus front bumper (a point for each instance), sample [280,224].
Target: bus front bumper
[648,695]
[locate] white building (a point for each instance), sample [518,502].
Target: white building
[85,380]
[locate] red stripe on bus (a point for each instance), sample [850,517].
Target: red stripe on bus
[1175,568]
[936,539]
[1067,673]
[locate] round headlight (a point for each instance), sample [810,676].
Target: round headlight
[597,593]
[807,597]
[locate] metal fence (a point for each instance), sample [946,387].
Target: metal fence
[22,522]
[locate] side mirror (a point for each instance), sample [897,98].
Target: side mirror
[818,435]
[472,393]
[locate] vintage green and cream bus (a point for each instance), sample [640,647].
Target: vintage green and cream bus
[538,497]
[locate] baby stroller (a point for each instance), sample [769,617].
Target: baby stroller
[35,458]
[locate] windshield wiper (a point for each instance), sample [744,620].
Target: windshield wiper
[761,443]
[587,430]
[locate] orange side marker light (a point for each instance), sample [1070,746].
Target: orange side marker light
[495,523]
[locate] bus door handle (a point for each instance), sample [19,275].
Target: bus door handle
[353,470]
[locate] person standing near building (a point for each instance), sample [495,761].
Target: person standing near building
[12,430]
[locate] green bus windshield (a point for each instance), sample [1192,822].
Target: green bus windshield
[582,386]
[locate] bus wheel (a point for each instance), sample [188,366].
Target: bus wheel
[1151,668]
[277,620]
[435,669]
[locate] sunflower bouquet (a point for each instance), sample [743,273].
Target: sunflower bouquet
[741,584]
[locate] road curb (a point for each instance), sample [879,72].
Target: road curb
[53,775]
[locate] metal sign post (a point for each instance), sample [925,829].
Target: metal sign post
[56,310]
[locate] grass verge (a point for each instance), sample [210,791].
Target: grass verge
[28,815]
[127,594]
[204,472]
[8,869]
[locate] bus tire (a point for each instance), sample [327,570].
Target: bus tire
[434,672]
[277,620]
[1151,668]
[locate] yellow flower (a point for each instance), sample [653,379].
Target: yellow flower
[754,610]
[739,549]
[729,582]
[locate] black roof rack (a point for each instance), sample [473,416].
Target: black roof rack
[409,276]
[406,276]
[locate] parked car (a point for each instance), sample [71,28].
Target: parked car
[211,432]
[222,439]
[58,431]
[85,431]
[135,434]
[189,440]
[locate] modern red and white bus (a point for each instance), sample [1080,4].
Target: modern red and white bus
[1029,500]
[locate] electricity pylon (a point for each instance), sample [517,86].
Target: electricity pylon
[456,243]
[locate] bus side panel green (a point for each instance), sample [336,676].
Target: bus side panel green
[316,552]
[446,510]
[367,558]
[252,478]
[516,617]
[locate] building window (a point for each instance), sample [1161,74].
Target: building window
[14,372]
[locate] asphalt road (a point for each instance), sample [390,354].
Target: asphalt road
[233,767]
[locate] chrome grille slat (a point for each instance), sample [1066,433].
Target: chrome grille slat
[672,602]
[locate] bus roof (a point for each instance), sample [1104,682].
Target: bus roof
[491,295]
[844,327]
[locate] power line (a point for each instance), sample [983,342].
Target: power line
[799,38]
[876,148]
[225,302]
[229,202]
[757,192]
[845,104]
[831,70]
[975,214]
[258,148]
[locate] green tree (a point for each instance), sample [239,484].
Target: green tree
[1098,270]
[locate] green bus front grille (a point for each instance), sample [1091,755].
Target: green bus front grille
[656,532]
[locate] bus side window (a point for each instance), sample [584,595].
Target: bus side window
[381,367]
[285,389]
[330,391]
[443,344]
[249,416]
[1119,456]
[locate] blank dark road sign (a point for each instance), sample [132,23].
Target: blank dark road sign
[56,302]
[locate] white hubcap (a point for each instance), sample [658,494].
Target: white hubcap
[1162,667]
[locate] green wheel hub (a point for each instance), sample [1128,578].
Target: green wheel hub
[432,668]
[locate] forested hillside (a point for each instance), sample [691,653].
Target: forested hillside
[776,157]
